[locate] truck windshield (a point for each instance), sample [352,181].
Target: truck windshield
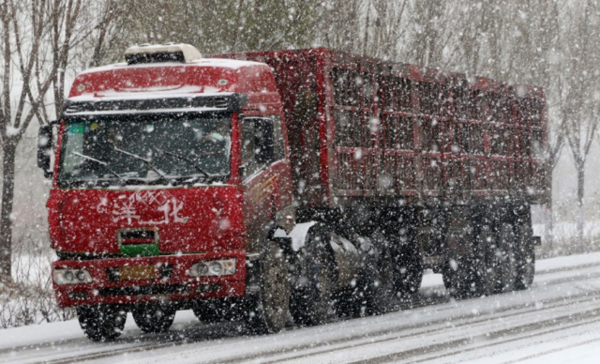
[145,150]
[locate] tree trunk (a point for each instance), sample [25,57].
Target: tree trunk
[9,148]
[549,219]
[580,213]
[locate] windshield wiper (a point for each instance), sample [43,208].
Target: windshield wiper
[185,159]
[103,164]
[146,161]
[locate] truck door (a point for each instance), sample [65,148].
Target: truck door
[265,175]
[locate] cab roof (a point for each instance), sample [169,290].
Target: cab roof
[201,76]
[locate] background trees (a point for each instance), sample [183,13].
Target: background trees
[37,42]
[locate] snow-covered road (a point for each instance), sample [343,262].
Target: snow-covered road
[556,321]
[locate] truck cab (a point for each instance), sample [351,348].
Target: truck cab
[171,171]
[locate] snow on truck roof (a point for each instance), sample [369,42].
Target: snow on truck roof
[172,79]
[207,76]
[206,62]
[170,70]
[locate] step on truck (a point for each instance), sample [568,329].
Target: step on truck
[310,182]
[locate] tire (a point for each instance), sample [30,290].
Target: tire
[373,292]
[408,270]
[483,262]
[525,259]
[311,304]
[504,260]
[153,317]
[380,287]
[267,309]
[217,310]
[457,276]
[101,322]
[351,302]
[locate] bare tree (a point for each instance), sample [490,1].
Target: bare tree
[388,27]
[432,30]
[579,82]
[23,26]
[220,26]
[26,27]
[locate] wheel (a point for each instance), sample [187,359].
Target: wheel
[268,308]
[380,288]
[208,312]
[483,262]
[153,317]
[525,259]
[217,310]
[408,269]
[351,302]
[101,322]
[457,276]
[311,303]
[504,260]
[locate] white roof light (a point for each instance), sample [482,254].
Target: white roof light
[159,53]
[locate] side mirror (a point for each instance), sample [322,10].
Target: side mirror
[264,141]
[44,150]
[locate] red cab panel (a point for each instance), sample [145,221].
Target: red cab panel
[192,219]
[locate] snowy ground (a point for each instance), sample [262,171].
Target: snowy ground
[556,321]
[568,230]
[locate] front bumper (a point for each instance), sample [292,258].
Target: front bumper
[171,281]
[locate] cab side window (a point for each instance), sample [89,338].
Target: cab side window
[262,143]
[249,163]
[278,145]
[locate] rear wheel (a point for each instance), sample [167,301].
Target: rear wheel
[457,276]
[380,288]
[483,262]
[268,308]
[504,260]
[311,303]
[153,317]
[101,322]
[525,259]
[408,269]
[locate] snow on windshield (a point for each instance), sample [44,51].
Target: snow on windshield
[144,148]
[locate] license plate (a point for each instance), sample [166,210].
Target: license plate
[137,272]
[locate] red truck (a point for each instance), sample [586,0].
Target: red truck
[314,182]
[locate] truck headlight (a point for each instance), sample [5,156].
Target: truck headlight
[71,276]
[222,267]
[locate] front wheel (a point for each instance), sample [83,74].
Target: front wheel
[101,322]
[217,310]
[268,308]
[153,317]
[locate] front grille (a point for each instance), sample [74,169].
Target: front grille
[143,290]
[137,236]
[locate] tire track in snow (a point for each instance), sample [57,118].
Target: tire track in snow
[488,340]
[140,344]
[350,342]
[469,322]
